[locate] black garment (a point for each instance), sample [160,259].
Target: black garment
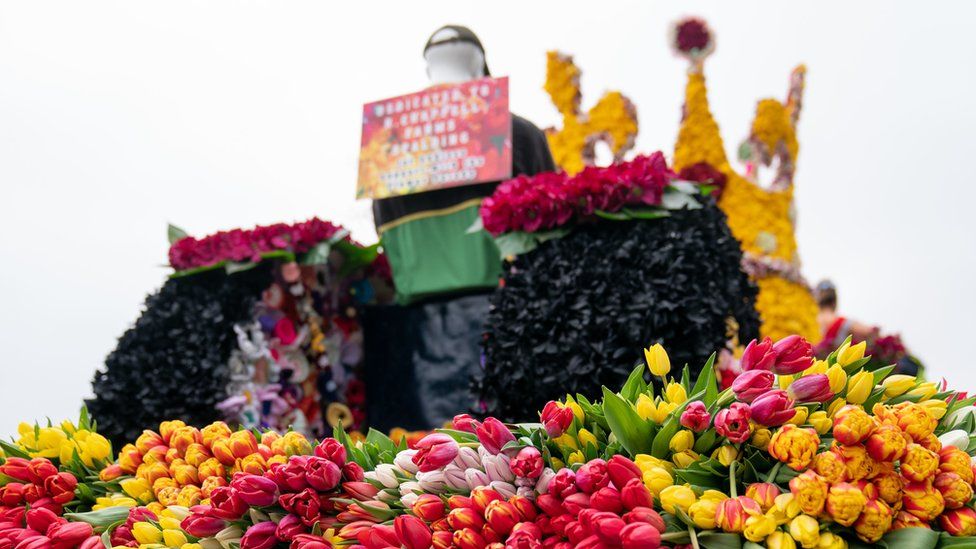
[530,155]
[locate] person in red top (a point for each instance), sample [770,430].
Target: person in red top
[836,328]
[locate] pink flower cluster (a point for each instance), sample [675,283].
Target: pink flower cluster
[552,199]
[248,245]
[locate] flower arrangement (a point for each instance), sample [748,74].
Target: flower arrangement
[613,119]
[799,452]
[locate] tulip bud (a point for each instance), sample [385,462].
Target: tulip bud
[731,514]
[897,385]
[812,388]
[556,418]
[874,521]
[621,470]
[639,535]
[852,425]
[805,530]
[675,393]
[332,450]
[657,360]
[202,526]
[758,355]
[592,476]
[923,500]
[919,463]
[955,491]
[466,423]
[848,354]
[772,408]
[696,417]
[758,527]
[681,441]
[674,497]
[412,532]
[493,435]
[468,538]
[793,355]
[435,451]
[780,540]
[959,522]
[260,536]
[528,463]
[844,503]
[751,384]
[859,387]
[502,516]
[764,493]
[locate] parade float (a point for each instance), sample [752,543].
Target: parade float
[650,380]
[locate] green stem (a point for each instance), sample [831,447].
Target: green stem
[772,473]
[732,490]
[694,537]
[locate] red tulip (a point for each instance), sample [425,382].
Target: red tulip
[592,476]
[525,507]
[639,535]
[773,408]
[332,450]
[202,526]
[305,504]
[564,483]
[16,468]
[260,536]
[751,384]
[556,418]
[465,517]
[696,417]
[466,423]
[647,515]
[352,472]
[609,528]
[40,519]
[321,474]
[482,496]
[363,491]
[226,503]
[254,490]
[93,542]
[379,536]
[35,542]
[576,503]
[606,499]
[435,451]
[528,463]
[502,516]
[493,435]
[758,355]
[441,539]
[289,527]
[635,494]
[811,388]
[733,422]
[428,507]
[39,469]
[467,538]
[550,505]
[793,355]
[622,470]
[12,494]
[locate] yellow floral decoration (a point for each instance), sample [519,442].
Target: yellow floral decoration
[612,120]
[761,219]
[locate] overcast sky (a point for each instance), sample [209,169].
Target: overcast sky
[118,117]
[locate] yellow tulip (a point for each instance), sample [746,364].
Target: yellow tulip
[805,530]
[760,437]
[935,407]
[819,367]
[657,360]
[145,532]
[174,538]
[859,387]
[820,421]
[68,427]
[677,497]
[726,455]
[645,407]
[663,411]
[577,410]
[831,541]
[758,527]
[848,354]
[191,546]
[576,457]
[800,417]
[138,489]
[675,393]
[682,440]
[897,385]
[586,437]
[97,447]
[169,523]
[835,406]
[702,513]
[785,381]
[645,462]
[657,479]
[685,459]
[837,377]
[566,439]
[924,391]
[780,540]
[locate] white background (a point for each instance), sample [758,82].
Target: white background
[118,117]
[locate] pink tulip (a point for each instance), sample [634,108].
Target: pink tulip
[639,535]
[493,435]
[435,451]
[289,527]
[466,423]
[773,408]
[332,450]
[260,536]
[321,474]
[70,534]
[733,422]
[528,463]
[752,383]
[254,490]
[793,355]
[592,476]
[811,388]
[634,494]
[758,355]
[202,526]
[696,417]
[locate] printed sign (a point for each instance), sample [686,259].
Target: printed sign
[444,136]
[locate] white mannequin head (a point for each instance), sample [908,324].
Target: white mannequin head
[453,55]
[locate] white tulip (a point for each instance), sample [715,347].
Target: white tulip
[467,458]
[506,489]
[543,484]
[957,438]
[432,481]
[475,478]
[409,499]
[404,460]
[385,475]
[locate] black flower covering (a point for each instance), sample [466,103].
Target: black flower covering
[172,364]
[575,313]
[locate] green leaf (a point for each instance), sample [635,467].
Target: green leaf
[174,233]
[236,267]
[12,450]
[100,518]
[459,436]
[720,540]
[686,378]
[318,255]
[381,441]
[646,213]
[916,538]
[635,384]
[882,373]
[629,428]
[705,441]
[706,382]
[613,216]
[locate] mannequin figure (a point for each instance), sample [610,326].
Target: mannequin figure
[443,274]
